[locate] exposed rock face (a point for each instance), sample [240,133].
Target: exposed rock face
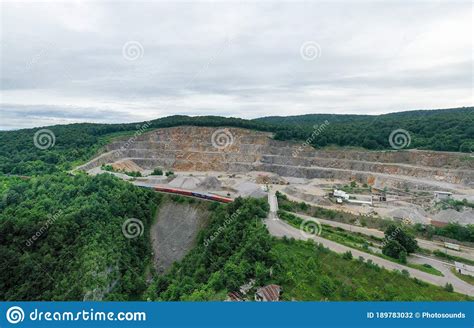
[175,231]
[126,165]
[200,149]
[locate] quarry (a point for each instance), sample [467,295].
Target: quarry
[413,185]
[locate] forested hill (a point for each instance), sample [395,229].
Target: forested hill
[446,130]
[310,119]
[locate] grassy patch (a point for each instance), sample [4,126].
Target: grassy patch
[466,278]
[452,257]
[426,268]
[110,168]
[354,240]
[310,272]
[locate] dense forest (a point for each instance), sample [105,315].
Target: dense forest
[447,130]
[61,238]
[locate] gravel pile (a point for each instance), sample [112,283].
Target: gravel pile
[450,215]
[183,182]
[251,189]
[416,215]
[210,183]
[315,199]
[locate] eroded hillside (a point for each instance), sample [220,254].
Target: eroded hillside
[190,148]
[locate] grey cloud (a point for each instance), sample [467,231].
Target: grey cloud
[233,59]
[18,116]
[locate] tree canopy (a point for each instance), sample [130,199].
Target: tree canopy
[447,130]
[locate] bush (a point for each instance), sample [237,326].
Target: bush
[448,287]
[157,171]
[402,237]
[326,286]
[107,168]
[393,249]
[347,255]
[133,174]
[457,231]
[403,257]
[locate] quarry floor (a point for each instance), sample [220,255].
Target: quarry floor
[417,206]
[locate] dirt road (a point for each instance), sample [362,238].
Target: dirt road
[465,252]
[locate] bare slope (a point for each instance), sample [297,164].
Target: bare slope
[174,232]
[192,149]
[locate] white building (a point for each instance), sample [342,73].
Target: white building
[341,194]
[344,196]
[442,195]
[464,268]
[452,246]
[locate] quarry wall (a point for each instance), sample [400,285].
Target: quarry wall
[188,148]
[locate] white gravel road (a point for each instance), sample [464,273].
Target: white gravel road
[465,252]
[279,228]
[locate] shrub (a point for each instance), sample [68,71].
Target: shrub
[157,171]
[448,287]
[347,255]
[326,286]
[393,249]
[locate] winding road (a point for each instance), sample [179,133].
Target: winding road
[465,252]
[279,228]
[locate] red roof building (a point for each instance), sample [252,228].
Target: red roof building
[234,297]
[270,293]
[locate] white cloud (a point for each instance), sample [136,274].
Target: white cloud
[376,57]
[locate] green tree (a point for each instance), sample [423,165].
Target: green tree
[393,249]
[448,287]
[326,286]
[157,171]
[402,236]
[347,255]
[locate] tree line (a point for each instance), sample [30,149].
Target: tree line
[444,130]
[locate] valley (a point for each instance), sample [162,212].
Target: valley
[183,245]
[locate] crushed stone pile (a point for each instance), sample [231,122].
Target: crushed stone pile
[450,215]
[183,182]
[210,183]
[127,165]
[251,189]
[415,214]
[315,199]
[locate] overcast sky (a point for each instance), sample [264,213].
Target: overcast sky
[96,61]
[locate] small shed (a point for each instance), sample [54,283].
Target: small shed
[464,268]
[442,195]
[456,247]
[269,293]
[234,297]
